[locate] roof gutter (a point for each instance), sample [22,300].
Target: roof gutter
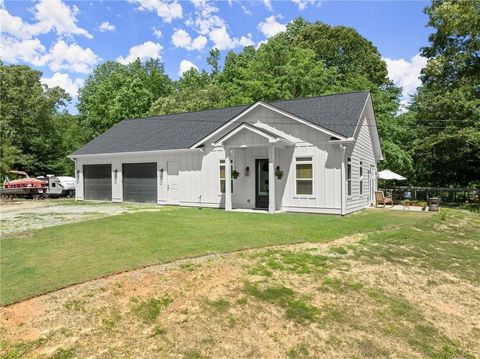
[342,142]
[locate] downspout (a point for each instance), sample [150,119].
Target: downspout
[343,179]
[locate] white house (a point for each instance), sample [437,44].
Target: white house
[316,154]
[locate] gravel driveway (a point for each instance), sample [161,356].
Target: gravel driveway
[21,216]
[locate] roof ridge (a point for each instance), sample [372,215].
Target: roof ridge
[181,113]
[243,105]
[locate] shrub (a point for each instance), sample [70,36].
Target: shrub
[443,213]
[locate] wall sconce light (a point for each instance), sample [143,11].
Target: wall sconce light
[161,173]
[278,173]
[247,171]
[78,176]
[116,175]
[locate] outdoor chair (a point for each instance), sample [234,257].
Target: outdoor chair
[380,198]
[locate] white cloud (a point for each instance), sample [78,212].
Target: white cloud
[268,4]
[406,73]
[205,20]
[186,65]
[56,15]
[106,26]
[14,25]
[221,39]
[30,51]
[65,82]
[142,51]
[302,4]
[199,42]
[246,40]
[51,15]
[271,27]
[61,55]
[168,11]
[182,39]
[157,32]
[73,58]
[207,23]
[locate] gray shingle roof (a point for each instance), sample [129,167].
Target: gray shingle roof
[338,113]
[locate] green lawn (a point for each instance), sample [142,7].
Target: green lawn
[56,257]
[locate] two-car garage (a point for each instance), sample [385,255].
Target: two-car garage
[139,182]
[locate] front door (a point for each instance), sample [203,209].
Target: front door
[261,183]
[172,182]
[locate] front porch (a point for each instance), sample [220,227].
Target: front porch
[260,156]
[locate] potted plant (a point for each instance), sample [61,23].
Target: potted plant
[235,174]
[424,205]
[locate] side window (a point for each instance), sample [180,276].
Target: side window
[304,176]
[349,176]
[222,176]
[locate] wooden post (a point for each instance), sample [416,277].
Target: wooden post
[344,183]
[271,180]
[228,181]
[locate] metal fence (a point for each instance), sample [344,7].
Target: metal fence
[446,195]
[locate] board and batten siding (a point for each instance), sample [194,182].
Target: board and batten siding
[199,170]
[362,151]
[308,142]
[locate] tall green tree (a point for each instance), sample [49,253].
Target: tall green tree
[29,140]
[308,59]
[447,105]
[114,92]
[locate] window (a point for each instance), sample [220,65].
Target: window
[349,176]
[222,176]
[304,176]
[361,177]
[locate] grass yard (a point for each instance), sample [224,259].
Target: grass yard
[374,285]
[52,258]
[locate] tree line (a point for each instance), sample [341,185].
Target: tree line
[435,142]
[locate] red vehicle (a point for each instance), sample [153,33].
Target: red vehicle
[23,187]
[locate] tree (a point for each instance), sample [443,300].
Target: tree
[214,60]
[73,136]
[194,91]
[447,105]
[30,140]
[115,92]
[339,47]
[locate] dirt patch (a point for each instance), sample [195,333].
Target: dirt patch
[295,301]
[19,217]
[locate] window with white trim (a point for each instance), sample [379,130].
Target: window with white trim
[349,176]
[304,176]
[361,176]
[222,176]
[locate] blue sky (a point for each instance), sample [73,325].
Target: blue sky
[67,39]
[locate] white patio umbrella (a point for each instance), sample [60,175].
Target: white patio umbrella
[389,175]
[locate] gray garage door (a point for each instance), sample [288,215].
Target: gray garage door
[97,182]
[140,182]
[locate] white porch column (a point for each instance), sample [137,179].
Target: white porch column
[271,179]
[228,180]
[344,182]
